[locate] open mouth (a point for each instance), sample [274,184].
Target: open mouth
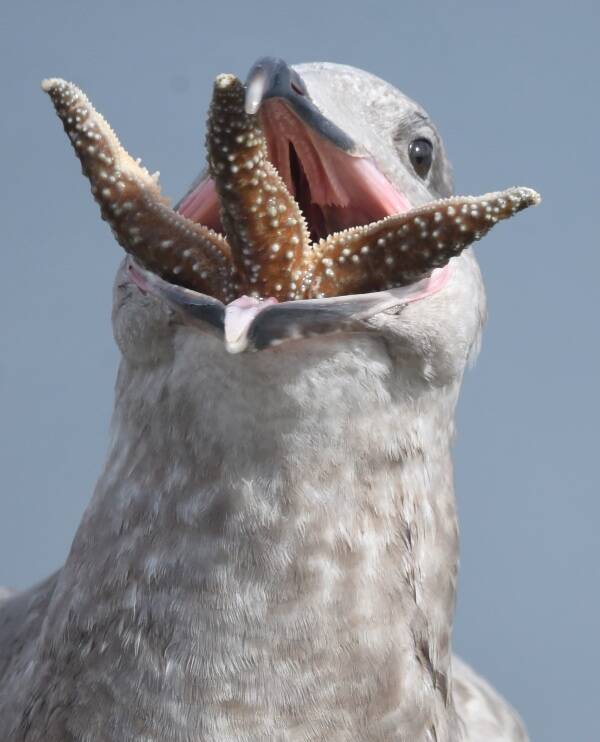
[288,210]
[335,190]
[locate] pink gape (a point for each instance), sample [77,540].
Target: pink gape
[335,190]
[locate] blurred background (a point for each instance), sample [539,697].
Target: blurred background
[513,88]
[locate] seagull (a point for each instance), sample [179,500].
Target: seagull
[271,550]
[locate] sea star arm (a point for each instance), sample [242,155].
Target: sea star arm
[262,221]
[397,250]
[130,200]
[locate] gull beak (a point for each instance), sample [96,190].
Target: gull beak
[271,77]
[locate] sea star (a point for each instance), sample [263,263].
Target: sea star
[266,250]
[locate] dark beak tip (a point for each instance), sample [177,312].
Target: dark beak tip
[272,67]
[272,77]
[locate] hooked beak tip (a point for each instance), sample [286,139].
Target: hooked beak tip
[255,90]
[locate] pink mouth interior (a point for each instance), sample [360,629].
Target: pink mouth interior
[335,190]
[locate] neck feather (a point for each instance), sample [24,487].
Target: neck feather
[277,549]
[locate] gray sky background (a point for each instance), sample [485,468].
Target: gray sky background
[514,90]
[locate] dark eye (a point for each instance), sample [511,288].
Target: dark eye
[297,84]
[420,152]
[296,88]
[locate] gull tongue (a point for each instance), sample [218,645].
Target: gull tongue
[130,200]
[239,315]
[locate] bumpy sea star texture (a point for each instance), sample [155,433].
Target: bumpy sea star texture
[266,249]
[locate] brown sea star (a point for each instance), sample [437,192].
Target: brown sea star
[266,249]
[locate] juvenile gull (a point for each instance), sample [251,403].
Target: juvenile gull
[271,550]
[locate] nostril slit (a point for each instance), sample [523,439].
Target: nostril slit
[296,88]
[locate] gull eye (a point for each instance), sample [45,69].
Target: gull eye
[296,88]
[420,152]
[297,85]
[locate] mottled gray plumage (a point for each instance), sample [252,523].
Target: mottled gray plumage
[271,550]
